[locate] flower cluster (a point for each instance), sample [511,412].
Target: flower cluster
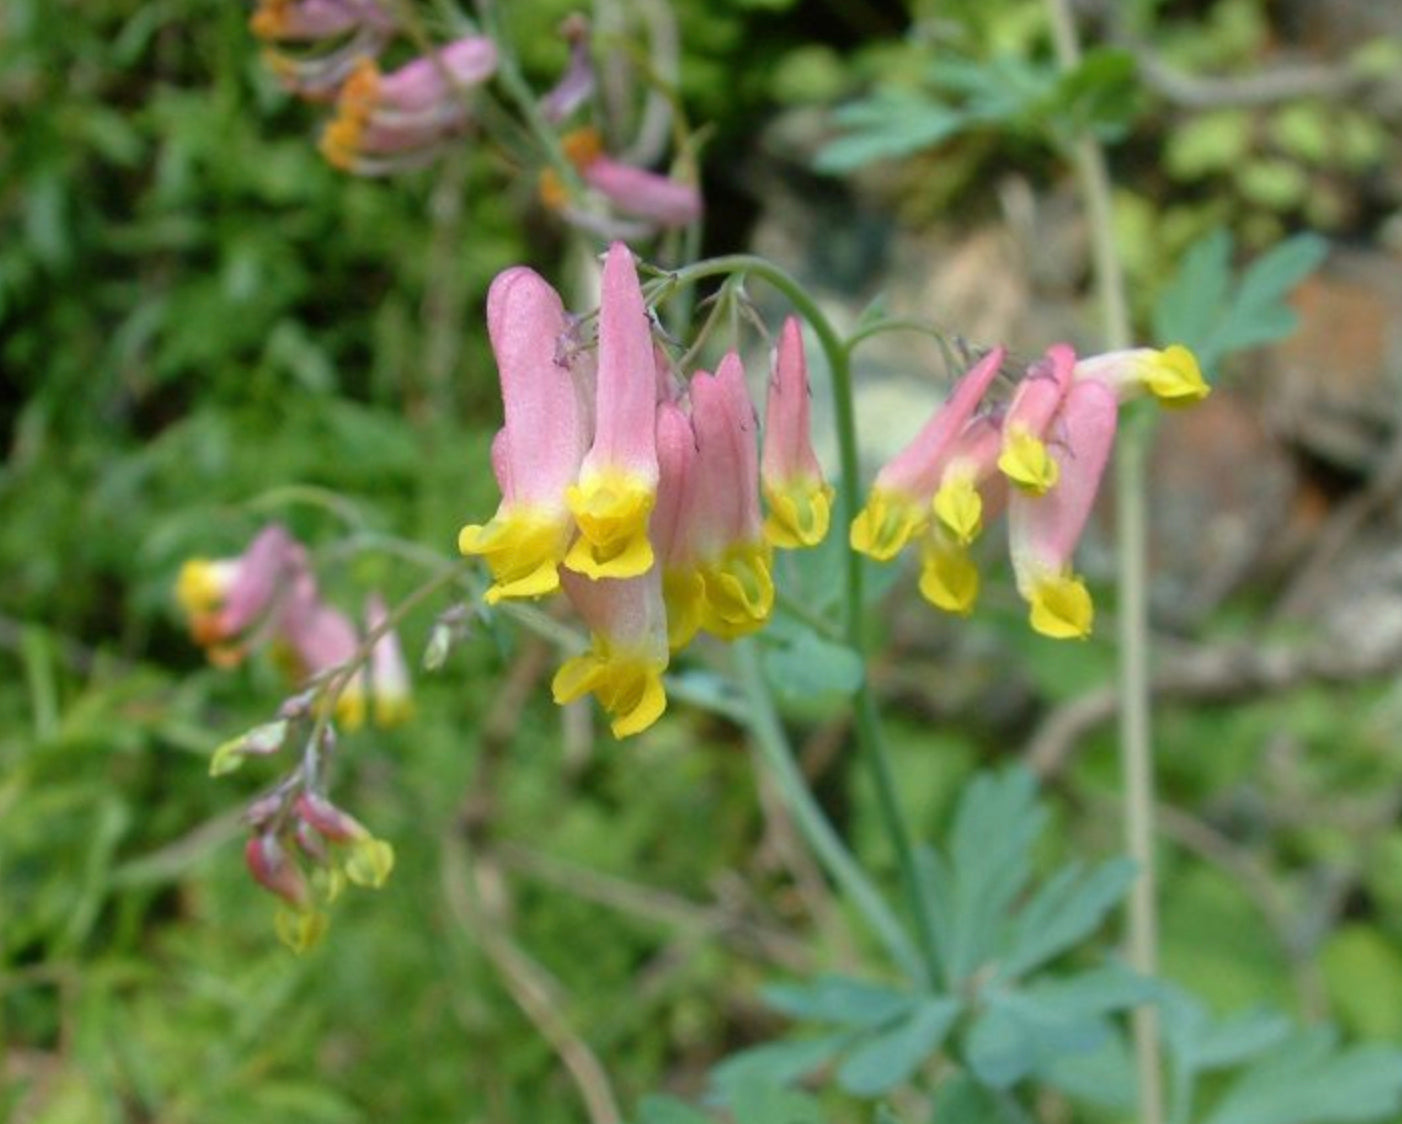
[385,121]
[303,848]
[634,491]
[1040,456]
[268,594]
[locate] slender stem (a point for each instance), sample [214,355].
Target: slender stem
[868,725]
[1136,746]
[767,735]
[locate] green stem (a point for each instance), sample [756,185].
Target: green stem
[868,726]
[1136,745]
[767,734]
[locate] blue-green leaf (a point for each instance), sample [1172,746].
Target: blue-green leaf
[1308,1080]
[890,1058]
[781,1062]
[659,1109]
[1067,908]
[840,1000]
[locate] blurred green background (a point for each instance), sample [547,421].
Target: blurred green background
[195,311]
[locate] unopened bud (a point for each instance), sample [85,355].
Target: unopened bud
[257,742]
[272,867]
[261,812]
[329,820]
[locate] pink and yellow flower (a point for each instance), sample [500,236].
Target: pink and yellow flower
[537,454]
[617,486]
[799,499]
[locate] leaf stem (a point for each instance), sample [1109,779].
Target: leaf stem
[1136,746]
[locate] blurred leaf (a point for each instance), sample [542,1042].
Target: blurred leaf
[962,1100]
[807,665]
[1309,1080]
[888,125]
[1064,911]
[782,1062]
[757,1102]
[1202,308]
[658,1109]
[892,1057]
[839,1000]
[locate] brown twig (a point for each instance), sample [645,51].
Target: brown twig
[1219,674]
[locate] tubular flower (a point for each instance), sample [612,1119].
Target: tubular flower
[635,193]
[968,476]
[390,700]
[1043,530]
[628,654]
[683,588]
[538,453]
[1025,460]
[387,122]
[617,485]
[799,499]
[309,20]
[899,506]
[320,639]
[733,557]
[1171,375]
[948,577]
[228,596]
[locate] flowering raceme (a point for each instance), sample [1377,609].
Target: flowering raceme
[1042,455]
[636,492]
[269,595]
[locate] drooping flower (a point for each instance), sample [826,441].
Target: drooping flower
[900,504]
[321,639]
[683,588]
[310,20]
[628,649]
[390,699]
[659,201]
[1043,530]
[538,453]
[388,122]
[227,597]
[1025,460]
[617,487]
[799,499]
[1171,375]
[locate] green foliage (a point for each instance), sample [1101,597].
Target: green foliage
[1212,312]
[1005,92]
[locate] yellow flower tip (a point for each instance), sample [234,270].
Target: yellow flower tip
[799,514]
[350,707]
[611,510]
[523,549]
[199,587]
[582,147]
[1062,608]
[739,591]
[369,862]
[959,508]
[270,20]
[886,524]
[949,579]
[300,929]
[552,190]
[629,688]
[340,141]
[327,883]
[392,709]
[684,593]
[1174,377]
[1027,464]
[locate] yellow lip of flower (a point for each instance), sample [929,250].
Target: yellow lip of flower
[1027,463]
[948,577]
[201,586]
[799,513]
[391,708]
[889,521]
[628,687]
[959,507]
[1174,377]
[684,593]
[611,509]
[523,548]
[739,591]
[1061,607]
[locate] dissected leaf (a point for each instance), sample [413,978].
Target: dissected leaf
[1067,908]
[890,1058]
[840,1000]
